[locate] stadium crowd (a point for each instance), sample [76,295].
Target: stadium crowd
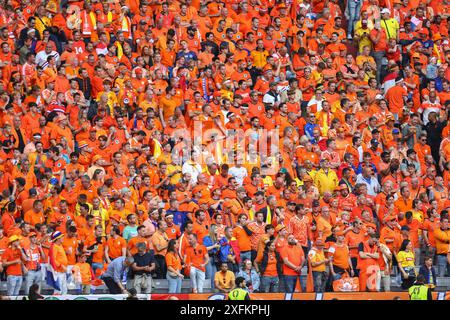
[212,140]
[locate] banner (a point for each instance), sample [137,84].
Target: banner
[253,296]
[302,296]
[87,297]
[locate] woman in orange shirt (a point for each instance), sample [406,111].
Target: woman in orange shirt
[270,268]
[174,266]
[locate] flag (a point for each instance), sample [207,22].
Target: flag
[156,148]
[309,279]
[51,278]
[293,10]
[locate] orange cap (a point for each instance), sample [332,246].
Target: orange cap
[197,189]
[228,194]
[372,225]
[227,204]
[204,201]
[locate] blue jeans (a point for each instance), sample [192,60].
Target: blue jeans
[442,265]
[290,282]
[269,284]
[354,8]
[13,285]
[211,270]
[32,278]
[320,279]
[197,279]
[174,283]
[379,56]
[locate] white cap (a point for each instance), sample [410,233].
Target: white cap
[385,10]
[379,97]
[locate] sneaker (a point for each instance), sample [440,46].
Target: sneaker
[349,37]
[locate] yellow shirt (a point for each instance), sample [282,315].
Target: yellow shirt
[326,182]
[42,24]
[175,178]
[360,60]
[363,41]
[259,58]
[315,255]
[406,259]
[391,27]
[226,280]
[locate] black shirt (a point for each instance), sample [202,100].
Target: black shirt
[144,260]
[85,86]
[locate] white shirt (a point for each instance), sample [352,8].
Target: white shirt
[41,58]
[373,187]
[270,99]
[239,174]
[193,168]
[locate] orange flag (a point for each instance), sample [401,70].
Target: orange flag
[293,11]
[309,279]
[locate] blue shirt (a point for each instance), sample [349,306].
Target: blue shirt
[116,269]
[188,56]
[179,218]
[207,242]
[309,128]
[360,167]
[225,250]
[129,232]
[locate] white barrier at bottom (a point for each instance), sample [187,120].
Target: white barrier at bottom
[87,297]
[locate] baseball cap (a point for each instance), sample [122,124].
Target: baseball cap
[385,10]
[316,203]
[319,242]
[13,238]
[374,141]
[82,144]
[395,131]
[57,235]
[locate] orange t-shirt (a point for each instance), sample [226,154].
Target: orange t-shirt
[295,256]
[11,255]
[115,247]
[196,256]
[173,260]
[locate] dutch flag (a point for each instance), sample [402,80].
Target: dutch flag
[51,278]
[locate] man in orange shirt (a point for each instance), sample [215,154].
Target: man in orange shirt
[160,242]
[396,97]
[242,235]
[299,227]
[35,215]
[293,258]
[368,265]
[12,260]
[352,239]
[95,247]
[59,262]
[116,246]
[196,258]
[257,229]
